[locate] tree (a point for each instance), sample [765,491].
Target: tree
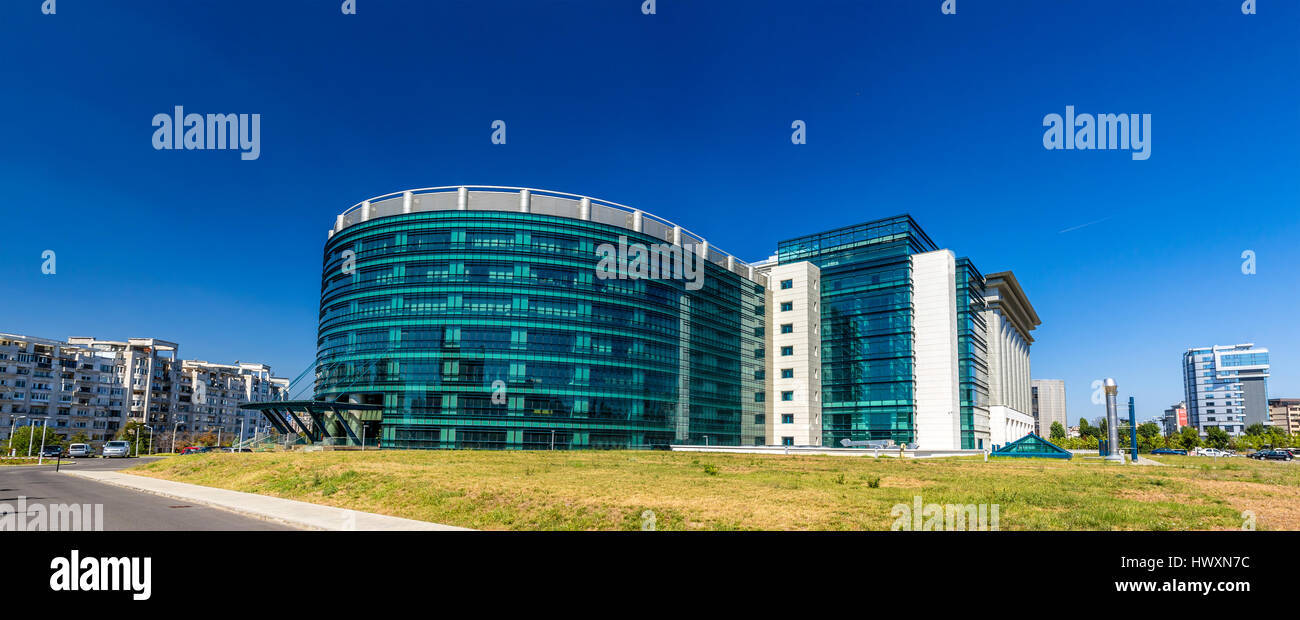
[32,434]
[1188,438]
[80,437]
[1216,437]
[1057,432]
[128,433]
[1257,429]
[1086,429]
[1148,429]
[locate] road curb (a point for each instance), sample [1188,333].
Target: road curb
[294,513]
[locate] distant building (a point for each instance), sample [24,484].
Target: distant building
[1049,405]
[91,386]
[1284,413]
[1175,419]
[1226,386]
[1073,431]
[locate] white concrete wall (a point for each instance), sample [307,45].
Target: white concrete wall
[1007,424]
[938,403]
[806,362]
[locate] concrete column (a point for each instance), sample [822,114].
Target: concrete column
[636,221]
[677,235]
[584,209]
[703,249]
[525,201]
[365,211]
[462,199]
[407,199]
[338,222]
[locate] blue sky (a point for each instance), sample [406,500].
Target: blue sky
[685,114]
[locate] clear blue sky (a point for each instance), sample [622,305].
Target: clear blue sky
[685,114]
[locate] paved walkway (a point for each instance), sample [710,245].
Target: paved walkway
[287,511]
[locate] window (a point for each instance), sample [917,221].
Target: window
[760,418]
[787,306]
[787,441]
[759,397]
[760,374]
[787,328]
[787,284]
[758,441]
[787,418]
[787,395]
[787,373]
[787,350]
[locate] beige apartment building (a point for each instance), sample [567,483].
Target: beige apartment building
[97,386]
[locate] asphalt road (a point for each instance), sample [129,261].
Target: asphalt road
[124,509]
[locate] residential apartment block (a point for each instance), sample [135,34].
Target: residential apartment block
[1284,413]
[96,386]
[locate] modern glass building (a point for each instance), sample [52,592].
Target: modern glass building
[1226,387]
[482,317]
[510,318]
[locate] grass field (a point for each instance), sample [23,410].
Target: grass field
[693,491]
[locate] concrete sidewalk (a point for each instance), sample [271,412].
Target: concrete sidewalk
[287,511]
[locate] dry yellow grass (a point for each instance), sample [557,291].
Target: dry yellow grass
[612,490]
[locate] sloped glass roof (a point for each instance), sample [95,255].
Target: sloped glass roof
[1033,446]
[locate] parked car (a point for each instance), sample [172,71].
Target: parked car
[80,450]
[116,448]
[1169,451]
[236,449]
[52,452]
[195,449]
[1212,452]
[1278,455]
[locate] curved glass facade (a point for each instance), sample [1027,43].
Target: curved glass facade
[493,329]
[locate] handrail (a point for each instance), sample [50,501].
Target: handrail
[540,192]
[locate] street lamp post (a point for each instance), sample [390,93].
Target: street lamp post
[12,452]
[174,427]
[29,437]
[40,456]
[137,451]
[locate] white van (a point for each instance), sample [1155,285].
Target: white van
[80,450]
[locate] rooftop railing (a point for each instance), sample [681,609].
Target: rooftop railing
[542,202]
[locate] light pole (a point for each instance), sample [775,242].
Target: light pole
[242,420]
[40,456]
[137,451]
[29,437]
[174,427]
[14,422]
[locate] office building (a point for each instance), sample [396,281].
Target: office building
[1009,319]
[1226,387]
[512,318]
[1049,405]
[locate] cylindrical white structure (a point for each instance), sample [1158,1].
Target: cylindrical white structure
[1112,422]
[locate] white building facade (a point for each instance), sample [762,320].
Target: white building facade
[1009,319]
